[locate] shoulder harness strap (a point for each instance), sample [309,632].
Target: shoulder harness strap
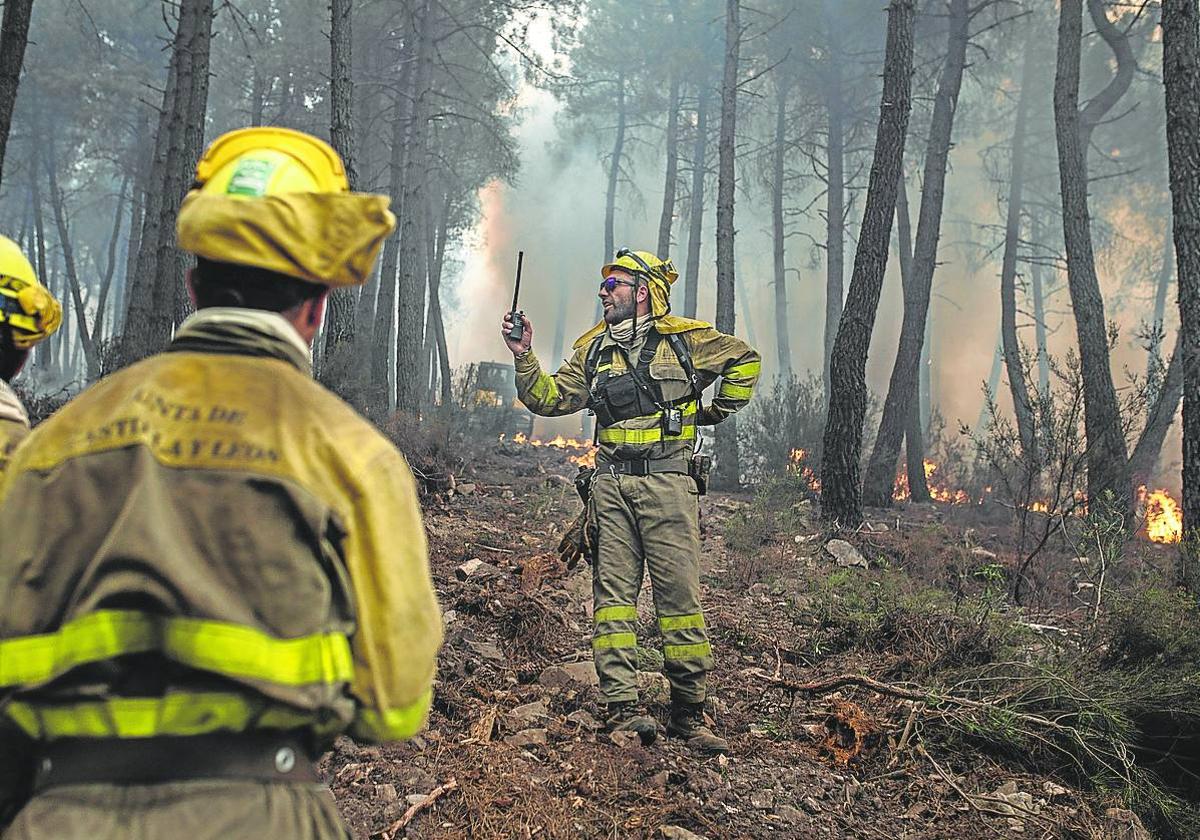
[683,352]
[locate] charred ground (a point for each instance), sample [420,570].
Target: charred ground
[997,735]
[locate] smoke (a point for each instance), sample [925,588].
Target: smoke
[554,212]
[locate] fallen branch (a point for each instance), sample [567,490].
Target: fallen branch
[441,790]
[834,683]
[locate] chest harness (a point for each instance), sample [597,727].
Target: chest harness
[636,394]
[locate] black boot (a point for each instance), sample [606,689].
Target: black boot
[687,722]
[624,717]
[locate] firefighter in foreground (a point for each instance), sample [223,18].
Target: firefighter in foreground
[642,371]
[28,313]
[212,565]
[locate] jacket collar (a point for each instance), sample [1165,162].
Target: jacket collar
[10,405]
[243,332]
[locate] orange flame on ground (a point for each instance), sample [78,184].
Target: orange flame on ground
[796,465]
[938,491]
[1164,517]
[586,458]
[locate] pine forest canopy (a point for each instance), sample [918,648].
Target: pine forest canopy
[741,140]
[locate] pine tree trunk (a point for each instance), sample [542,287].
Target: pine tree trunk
[45,350]
[614,175]
[691,276]
[158,278]
[413,268]
[1181,77]
[176,304]
[365,312]
[835,194]
[782,326]
[339,316]
[925,403]
[1163,284]
[1108,467]
[91,359]
[1144,461]
[110,267]
[668,207]
[726,471]
[140,164]
[902,389]
[379,397]
[1039,312]
[841,498]
[14,36]
[437,262]
[1008,269]
[914,433]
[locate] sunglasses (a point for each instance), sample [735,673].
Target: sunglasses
[608,284]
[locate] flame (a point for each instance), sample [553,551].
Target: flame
[796,465]
[1164,517]
[586,458]
[938,491]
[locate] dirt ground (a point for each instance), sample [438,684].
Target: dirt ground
[514,747]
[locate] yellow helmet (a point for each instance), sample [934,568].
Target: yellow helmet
[256,162]
[644,263]
[278,199]
[26,306]
[659,275]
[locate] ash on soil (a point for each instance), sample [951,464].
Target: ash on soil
[515,716]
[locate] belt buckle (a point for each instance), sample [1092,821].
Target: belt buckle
[640,467]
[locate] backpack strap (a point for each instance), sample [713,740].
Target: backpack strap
[684,353]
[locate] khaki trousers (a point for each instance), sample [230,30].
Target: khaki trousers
[196,810]
[648,522]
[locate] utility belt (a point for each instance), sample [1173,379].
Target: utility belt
[641,466]
[697,467]
[261,755]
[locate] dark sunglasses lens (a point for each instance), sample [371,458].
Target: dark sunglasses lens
[608,284]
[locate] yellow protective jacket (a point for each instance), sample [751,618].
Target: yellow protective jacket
[714,355]
[14,423]
[211,541]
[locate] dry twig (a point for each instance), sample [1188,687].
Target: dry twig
[441,790]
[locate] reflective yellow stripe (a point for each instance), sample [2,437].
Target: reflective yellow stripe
[637,437]
[696,651]
[393,724]
[220,647]
[735,392]
[620,613]
[91,638]
[681,622]
[615,640]
[745,370]
[178,713]
[544,389]
[607,366]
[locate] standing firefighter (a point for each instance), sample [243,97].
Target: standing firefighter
[28,313]
[642,371]
[225,565]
